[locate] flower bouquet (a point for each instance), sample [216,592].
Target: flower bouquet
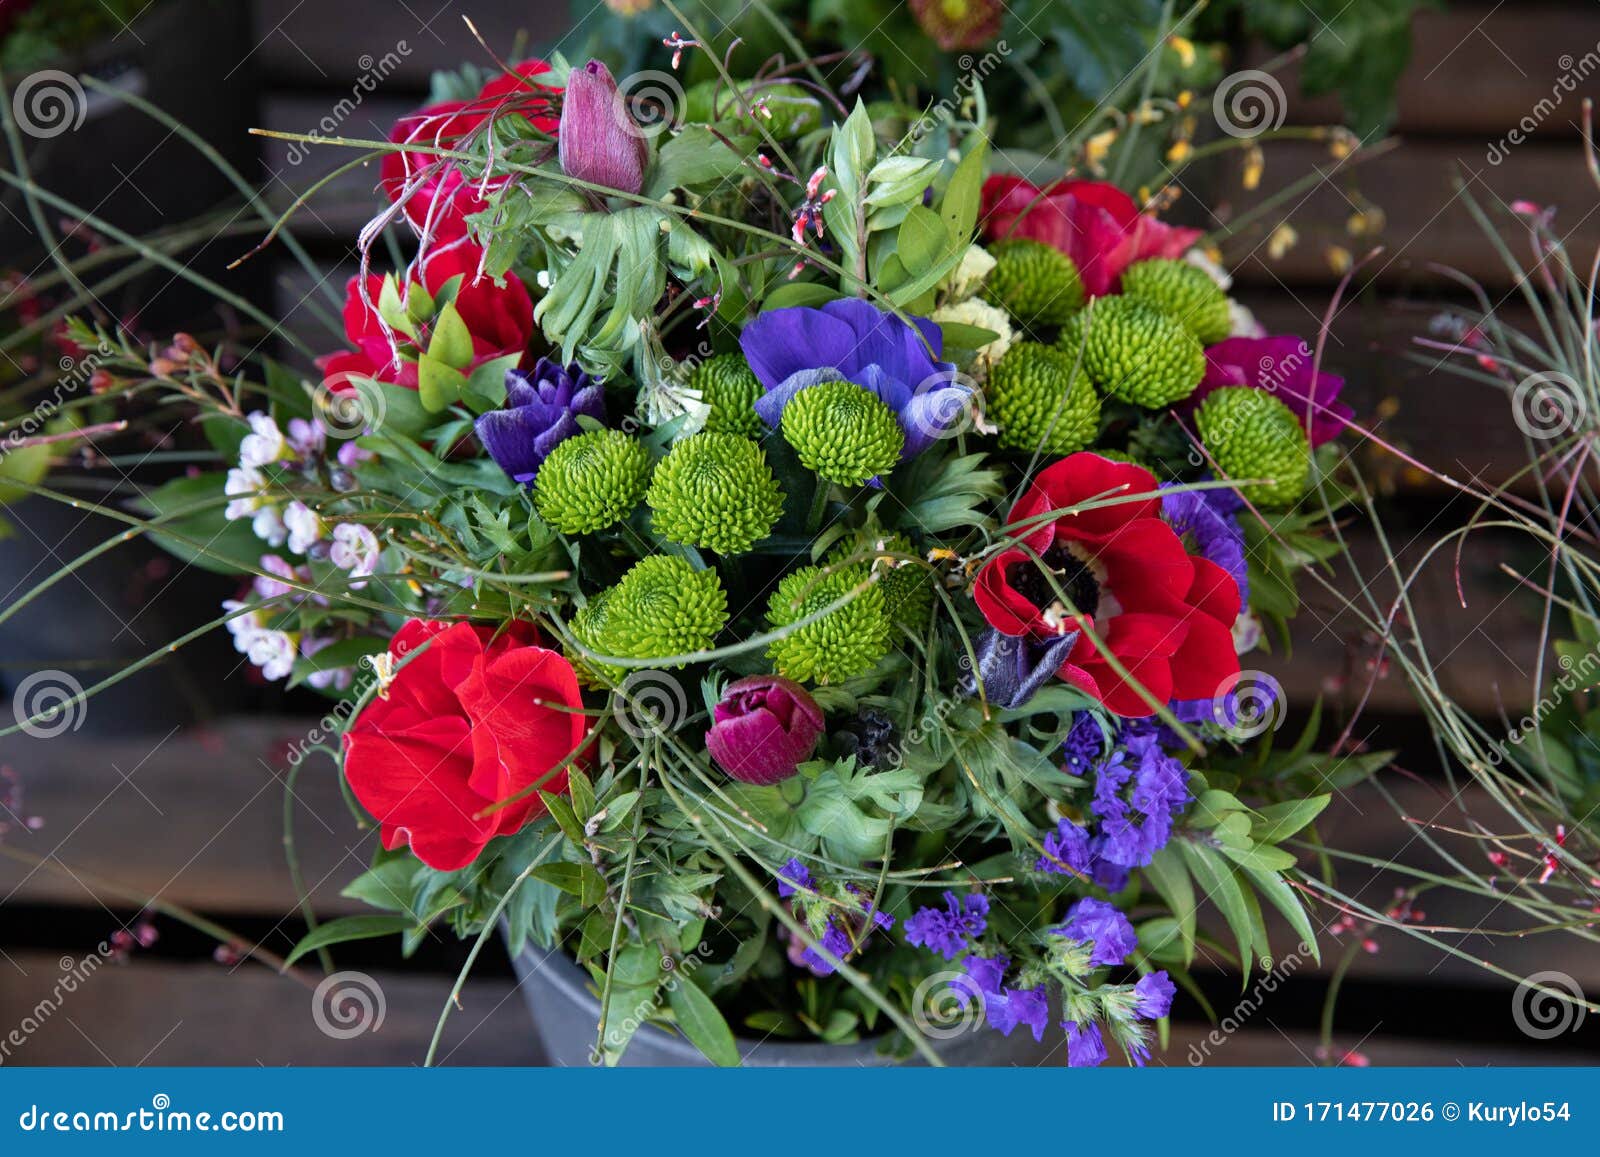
[786,561]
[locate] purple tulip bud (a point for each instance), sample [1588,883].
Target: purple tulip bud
[598,140]
[764,728]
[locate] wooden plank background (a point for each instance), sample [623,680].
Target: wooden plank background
[194,814]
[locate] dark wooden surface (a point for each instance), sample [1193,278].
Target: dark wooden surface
[195,815]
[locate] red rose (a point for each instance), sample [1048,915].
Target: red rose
[1165,616]
[1095,224]
[440,196]
[499,318]
[466,724]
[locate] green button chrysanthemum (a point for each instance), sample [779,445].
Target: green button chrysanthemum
[842,432]
[840,645]
[591,481]
[588,626]
[1253,435]
[907,587]
[1037,284]
[716,491]
[1037,400]
[1183,292]
[1139,354]
[730,387]
[662,607]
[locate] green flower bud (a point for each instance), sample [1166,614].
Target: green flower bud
[1139,354]
[842,432]
[843,643]
[1185,293]
[716,491]
[591,481]
[1254,436]
[1037,400]
[1037,284]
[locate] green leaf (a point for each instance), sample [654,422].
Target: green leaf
[1101,43]
[438,385]
[1286,900]
[348,928]
[387,885]
[451,342]
[1278,821]
[1170,879]
[1262,857]
[561,811]
[230,547]
[808,293]
[697,1015]
[965,337]
[344,653]
[922,240]
[963,195]
[1217,881]
[580,880]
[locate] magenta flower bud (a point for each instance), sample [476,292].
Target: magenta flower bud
[764,728]
[598,140]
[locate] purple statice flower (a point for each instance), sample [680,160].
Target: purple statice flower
[1135,826]
[1154,991]
[1066,851]
[542,410]
[1098,922]
[965,918]
[1004,1008]
[836,940]
[1086,1048]
[1084,743]
[794,877]
[1210,519]
[869,908]
[854,341]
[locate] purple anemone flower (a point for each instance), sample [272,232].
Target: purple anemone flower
[1281,365]
[852,340]
[542,410]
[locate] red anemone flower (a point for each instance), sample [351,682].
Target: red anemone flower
[1163,615]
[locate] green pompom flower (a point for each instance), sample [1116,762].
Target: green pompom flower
[841,644]
[1183,292]
[1037,400]
[842,433]
[1139,354]
[1037,284]
[662,607]
[730,387]
[907,587]
[588,626]
[1253,435]
[716,491]
[591,481]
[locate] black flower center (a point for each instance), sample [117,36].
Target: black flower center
[1069,574]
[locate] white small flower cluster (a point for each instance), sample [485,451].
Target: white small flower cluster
[266,647]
